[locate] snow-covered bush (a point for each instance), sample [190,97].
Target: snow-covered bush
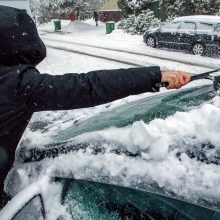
[128,24]
[145,21]
[141,23]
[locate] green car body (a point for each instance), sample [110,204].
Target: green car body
[99,198]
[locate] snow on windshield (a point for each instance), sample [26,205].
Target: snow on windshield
[163,160]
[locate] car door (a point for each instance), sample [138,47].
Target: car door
[217,34]
[186,34]
[205,32]
[168,34]
[218,28]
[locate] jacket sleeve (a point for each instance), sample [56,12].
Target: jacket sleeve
[42,92]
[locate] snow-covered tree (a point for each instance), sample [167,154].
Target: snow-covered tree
[45,10]
[145,21]
[136,7]
[39,10]
[86,7]
[139,4]
[124,6]
[190,7]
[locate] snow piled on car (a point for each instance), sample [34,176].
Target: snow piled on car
[165,156]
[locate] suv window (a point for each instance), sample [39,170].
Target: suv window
[205,27]
[188,26]
[171,25]
[218,27]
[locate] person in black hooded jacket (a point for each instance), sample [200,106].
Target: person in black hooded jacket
[23,90]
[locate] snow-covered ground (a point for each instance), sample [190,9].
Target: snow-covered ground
[187,178]
[91,35]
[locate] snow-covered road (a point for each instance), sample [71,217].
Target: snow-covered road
[128,57]
[149,55]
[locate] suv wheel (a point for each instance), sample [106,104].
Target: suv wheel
[151,42]
[198,49]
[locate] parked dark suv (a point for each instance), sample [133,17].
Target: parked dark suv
[199,34]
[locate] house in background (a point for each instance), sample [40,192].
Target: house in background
[21,4]
[110,5]
[110,11]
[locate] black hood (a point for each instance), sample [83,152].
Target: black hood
[19,39]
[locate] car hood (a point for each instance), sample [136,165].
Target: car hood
[151,30]
[156,148]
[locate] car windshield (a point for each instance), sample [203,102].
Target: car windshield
[171,25]
[146,110]
[159,106]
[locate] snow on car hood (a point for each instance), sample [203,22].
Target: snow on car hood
[176,156]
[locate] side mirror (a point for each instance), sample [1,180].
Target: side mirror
[20,205]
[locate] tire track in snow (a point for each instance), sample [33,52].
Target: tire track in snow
[158,59]
[93,55]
